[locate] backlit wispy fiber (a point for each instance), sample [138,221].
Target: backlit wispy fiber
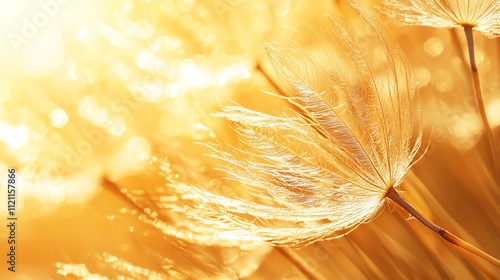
[352,132]
[482,15]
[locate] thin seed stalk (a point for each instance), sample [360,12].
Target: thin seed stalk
[394,196]
[490,140]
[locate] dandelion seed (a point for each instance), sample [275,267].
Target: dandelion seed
[479,15]
[352,137]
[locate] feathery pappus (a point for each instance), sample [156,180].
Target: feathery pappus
[354,132]
[481,15]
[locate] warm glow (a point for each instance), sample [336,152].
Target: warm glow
[180,139]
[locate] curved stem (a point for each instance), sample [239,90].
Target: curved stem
[490,140]
[394,196]
[268,78]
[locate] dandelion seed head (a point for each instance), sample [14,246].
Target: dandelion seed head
[482,15]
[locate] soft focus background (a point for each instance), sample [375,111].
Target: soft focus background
[102,104]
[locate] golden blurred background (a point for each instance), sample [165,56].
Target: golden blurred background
[103,105]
